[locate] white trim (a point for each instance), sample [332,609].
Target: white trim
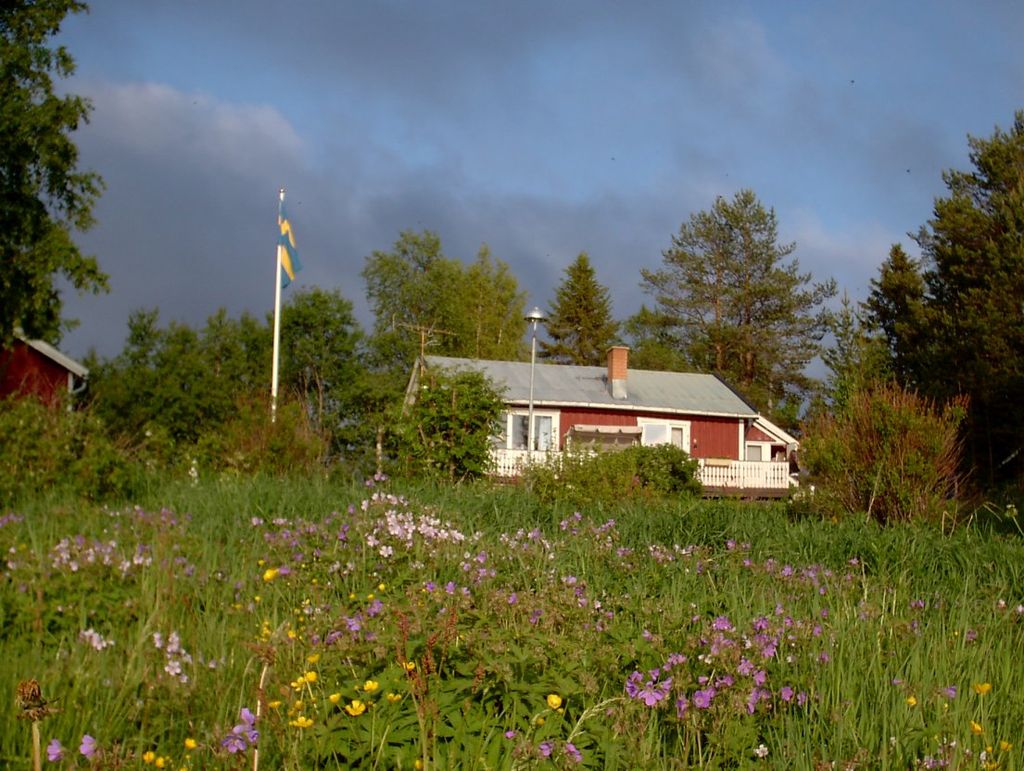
[556,433]
[670,424]
[773,430]
[766,451]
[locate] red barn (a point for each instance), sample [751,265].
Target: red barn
[614,406]
[35,368]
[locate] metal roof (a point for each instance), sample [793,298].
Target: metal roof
[566,385]
[53,354]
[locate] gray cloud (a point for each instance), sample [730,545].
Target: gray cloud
[544,129]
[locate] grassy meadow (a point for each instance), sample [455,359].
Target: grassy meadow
[247,624]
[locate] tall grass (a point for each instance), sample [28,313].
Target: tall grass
[440,623]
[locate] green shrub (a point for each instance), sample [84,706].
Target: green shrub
[585,478]
[46,447]
[446,433]
[890,453]
[250,443]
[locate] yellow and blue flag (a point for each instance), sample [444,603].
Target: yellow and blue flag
[288,254]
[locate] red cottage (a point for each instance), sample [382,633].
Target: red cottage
[738,449]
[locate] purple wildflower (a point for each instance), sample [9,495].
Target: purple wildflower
[722,624]
[54,751]
[786,693]
[510,734]
[233,743]
[574,754]
[88,747]
[243,734]
[949,692]
[702,698]
[545,749]
[681,706]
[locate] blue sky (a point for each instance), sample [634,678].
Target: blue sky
[542,128]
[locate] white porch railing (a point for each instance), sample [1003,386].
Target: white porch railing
[746,475]
[734,475]
[509,463]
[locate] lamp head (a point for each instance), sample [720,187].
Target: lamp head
[535,315]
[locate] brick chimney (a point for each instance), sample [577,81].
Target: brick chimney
[618,357]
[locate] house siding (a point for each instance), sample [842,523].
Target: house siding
[24,371]
[709,437]
[714,438]
[755,434]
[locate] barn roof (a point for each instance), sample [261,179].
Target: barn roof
[564,385]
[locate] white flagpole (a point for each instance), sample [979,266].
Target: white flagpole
[277,318]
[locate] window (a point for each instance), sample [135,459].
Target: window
[674,432]
[545,431]
[758,451]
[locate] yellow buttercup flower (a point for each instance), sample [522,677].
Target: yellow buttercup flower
[355,708]
[160,762]
[982,688]
[370,686]
[394,697]
[270,574]
[976,728]
[313,658]
[1005,746]
[311,677]
[911,701]
[554,700]
[409,665]
[334,698]
[274,704]
[148,757]
[301,722]
[191,744]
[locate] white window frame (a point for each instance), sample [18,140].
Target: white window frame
[766,450]
[556,428]
[669,424]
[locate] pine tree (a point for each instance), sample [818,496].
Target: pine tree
[580,323]
[737,307]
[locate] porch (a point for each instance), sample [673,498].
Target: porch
[720,477]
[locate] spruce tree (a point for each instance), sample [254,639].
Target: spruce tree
[961,329]
[580,324]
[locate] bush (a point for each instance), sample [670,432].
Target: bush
[584,478]
[249,443]
[890,453]
[49,447]
[446,433]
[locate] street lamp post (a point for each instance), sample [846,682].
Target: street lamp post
[533,317]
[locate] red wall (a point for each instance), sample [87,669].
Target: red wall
[23,370]
[709,437]
[755,434]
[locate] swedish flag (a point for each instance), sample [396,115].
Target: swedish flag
[288,254]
